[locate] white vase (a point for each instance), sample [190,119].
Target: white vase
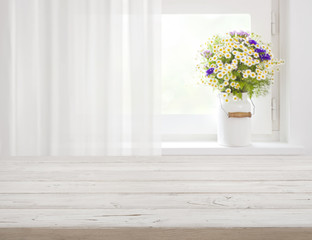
[234,122]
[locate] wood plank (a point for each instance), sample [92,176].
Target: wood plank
[158,187]
[156,201]
[233,166]
[154,159]
[157,233]
[97,175]
[100,218]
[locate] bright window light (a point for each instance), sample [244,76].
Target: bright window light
[182,35]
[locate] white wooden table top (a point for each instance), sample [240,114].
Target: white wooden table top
[99,192]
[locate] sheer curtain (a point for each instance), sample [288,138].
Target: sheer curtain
[80,77]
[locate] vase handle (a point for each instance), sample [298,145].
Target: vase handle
[239,114]
[253,108]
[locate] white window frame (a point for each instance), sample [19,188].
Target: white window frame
[228,7]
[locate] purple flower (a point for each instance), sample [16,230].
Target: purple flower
[206,54]
[209,71]
[265,57]
[241,34]
[252,42]
[260,50]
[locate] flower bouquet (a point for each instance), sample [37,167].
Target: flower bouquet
[238,63]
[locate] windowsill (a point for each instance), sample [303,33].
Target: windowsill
[213,148]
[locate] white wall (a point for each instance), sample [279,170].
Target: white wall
[298,25]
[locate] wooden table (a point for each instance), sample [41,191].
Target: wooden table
[158,192]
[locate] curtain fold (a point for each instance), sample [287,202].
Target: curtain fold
[83,77]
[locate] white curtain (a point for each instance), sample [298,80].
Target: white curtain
[80,77]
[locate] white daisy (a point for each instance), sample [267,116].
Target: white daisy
[227,55]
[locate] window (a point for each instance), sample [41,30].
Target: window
[188,109]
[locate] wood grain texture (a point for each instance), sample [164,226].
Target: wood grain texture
[184,166]
[157,234]
[132,176]
[158,192]
[157,201]
[158,187]
[156,159]
[99,218]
